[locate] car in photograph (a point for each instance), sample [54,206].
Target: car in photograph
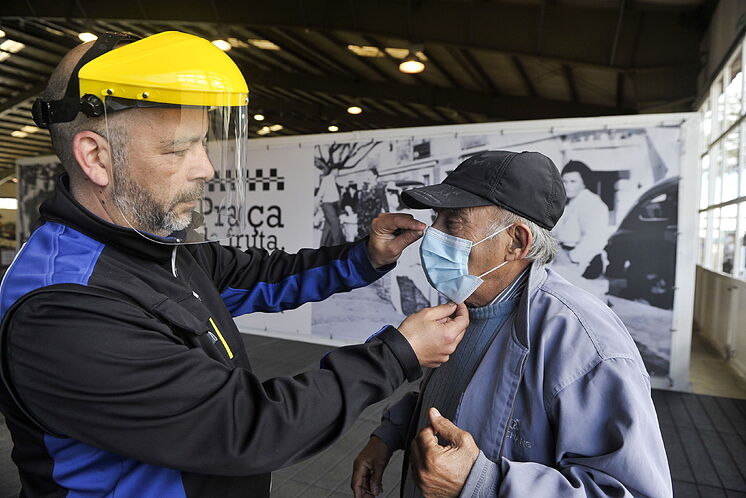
[642,251]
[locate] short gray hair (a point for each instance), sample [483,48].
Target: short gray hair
[544,246]
[62,134]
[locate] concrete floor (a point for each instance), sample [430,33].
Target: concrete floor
[705,436]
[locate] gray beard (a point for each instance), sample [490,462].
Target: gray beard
[144,212]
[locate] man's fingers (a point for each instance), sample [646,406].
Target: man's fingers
[460,318]
[376,478]
[359,481]
[404,240]
[441,311]
[392,222]
[447,429]
[427,438]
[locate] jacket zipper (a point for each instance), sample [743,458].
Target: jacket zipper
[512,407]
[212,322]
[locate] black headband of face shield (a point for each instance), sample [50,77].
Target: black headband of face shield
[46,112]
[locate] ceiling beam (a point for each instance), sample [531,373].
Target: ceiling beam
[8,105]
[571,88]
[491,26]
[524,76]
[494,106]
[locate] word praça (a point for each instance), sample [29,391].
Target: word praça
[232,216]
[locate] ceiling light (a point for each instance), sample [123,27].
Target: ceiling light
[366,51]
[4,55]
[8,203]
[263,130]
[411,65]
[354,109]
[30,129]
[222,45]
[276,127]
[87,37]
[259,116]
[332,128]
[263,44]
[2,33]
[12,46]
[19,134]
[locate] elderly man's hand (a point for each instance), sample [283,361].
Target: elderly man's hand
[390,234]
[441,471]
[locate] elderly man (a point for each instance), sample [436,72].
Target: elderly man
[549,395]
[123,373]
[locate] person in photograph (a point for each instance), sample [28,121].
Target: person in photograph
[547,395]
[583,229]
[328,198]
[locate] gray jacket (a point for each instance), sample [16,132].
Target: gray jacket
[559,406]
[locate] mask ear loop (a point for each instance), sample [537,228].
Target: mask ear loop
[490,236]
[495,268]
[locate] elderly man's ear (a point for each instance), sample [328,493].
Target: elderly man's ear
[521,242]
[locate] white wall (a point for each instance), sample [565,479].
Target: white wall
[720,315]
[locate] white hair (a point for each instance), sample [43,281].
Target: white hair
[544,247]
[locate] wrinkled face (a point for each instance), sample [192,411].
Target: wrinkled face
[164,170]
[573,183]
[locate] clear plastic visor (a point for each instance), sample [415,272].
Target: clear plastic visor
[178,172]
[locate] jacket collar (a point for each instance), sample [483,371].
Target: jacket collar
[536,277]
[64,209]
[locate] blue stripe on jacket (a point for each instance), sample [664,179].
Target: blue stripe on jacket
[57,254]
[314,284]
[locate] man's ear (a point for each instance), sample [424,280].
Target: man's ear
[522,240]
[93,154]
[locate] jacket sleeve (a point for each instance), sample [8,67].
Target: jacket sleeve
[107,374]
[608,443]
[395,421]
[255,280]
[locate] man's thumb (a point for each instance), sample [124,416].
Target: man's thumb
[447,429]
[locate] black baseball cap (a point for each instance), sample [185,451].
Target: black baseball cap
[525,183]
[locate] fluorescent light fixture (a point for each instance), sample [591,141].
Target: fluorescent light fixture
[276,127]
[263,44]
[354,109]
[12,46]
[333,128]
[259,116]
[263,130]
[87,37]
[19,134]
[30,129]
[235,43]
[222,45]
[8,203]
[366,51]
[4,55]
[2,33]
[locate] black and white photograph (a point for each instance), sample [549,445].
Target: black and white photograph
[617,237]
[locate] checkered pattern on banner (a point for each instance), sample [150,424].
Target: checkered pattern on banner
[257,181]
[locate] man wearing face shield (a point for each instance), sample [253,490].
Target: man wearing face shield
[547,394]
[122,370]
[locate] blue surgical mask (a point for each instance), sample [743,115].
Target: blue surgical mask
[445,260]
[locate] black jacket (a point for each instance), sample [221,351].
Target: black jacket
[124,371]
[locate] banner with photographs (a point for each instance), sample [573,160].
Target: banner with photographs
[623,236]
